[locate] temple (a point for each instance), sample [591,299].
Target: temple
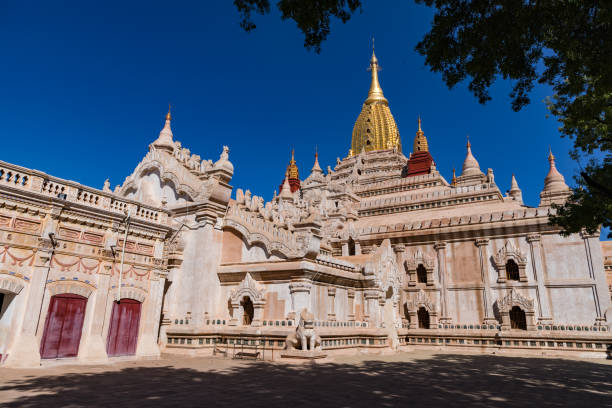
[379,253]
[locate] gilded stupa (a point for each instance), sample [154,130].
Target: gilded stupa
[375,128]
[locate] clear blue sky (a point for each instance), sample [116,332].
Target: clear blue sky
[85,87]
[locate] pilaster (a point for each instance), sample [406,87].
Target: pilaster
[544,310]
[331,301]
[440,248]
[489,317]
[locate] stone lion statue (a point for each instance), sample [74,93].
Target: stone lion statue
[304,337]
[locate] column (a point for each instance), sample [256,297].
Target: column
[535,249]
[25,351]
[489,317]
[440,248]
[381,312]
[300,295]
[93,348]
[351,305]
[147,342]
[371,297]
[331,302]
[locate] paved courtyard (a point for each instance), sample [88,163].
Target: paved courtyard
[407,379]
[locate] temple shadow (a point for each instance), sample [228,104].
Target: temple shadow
[442,380]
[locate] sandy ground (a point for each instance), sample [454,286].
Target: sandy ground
[417,379]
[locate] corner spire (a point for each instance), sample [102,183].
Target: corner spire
[316,168]
[375,95]
[470,164]
[420,141]
[164,140]
[555,190]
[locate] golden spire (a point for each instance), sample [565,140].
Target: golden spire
[375,128]
[420,141]
[454,181]
[375,95]
[292,169]
[168,115]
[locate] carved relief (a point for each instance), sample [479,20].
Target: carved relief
[413,262]
[506,253]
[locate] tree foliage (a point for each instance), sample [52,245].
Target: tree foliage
[312,17]
[566,44]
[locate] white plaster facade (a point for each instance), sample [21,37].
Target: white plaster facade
[381,260]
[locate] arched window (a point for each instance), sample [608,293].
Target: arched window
[421,274]
[423,316]
[351,246]
[518,319]
[248,311]
[512,270]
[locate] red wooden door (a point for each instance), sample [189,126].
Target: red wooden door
[123,331]
[63,326]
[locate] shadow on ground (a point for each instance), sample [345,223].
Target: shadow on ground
[442,380]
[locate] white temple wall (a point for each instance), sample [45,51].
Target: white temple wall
[565,258]
[278,301]
[465,306]
[573,305]
[199,288]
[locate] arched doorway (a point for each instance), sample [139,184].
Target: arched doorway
[421,274]
[123,330]
[512,270]
[63,326]
[518,319]
[247,311]
[423,316]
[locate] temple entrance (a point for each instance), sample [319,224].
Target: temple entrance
[63,326]
[123,331]
[518,319]
[423,316]
[247,311]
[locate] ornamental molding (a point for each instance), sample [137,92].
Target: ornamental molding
[422,300]
[509,251]
[10,285]
[65,286]
[419,258]
[248,287]
[513,298]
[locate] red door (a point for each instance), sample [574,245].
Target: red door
[63,326]
[123,331]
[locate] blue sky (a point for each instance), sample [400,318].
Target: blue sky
[85,87]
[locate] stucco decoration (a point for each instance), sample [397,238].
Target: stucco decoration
[422,300]
[256,294]
[10,285]
[133,293]
[412,263]
[514,298]
[78,288]
[506,253]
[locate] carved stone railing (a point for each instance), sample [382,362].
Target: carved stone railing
[37,182]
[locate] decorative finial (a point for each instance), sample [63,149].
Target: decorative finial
[551,156]
[468,142]
[168,115]
[420,123]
